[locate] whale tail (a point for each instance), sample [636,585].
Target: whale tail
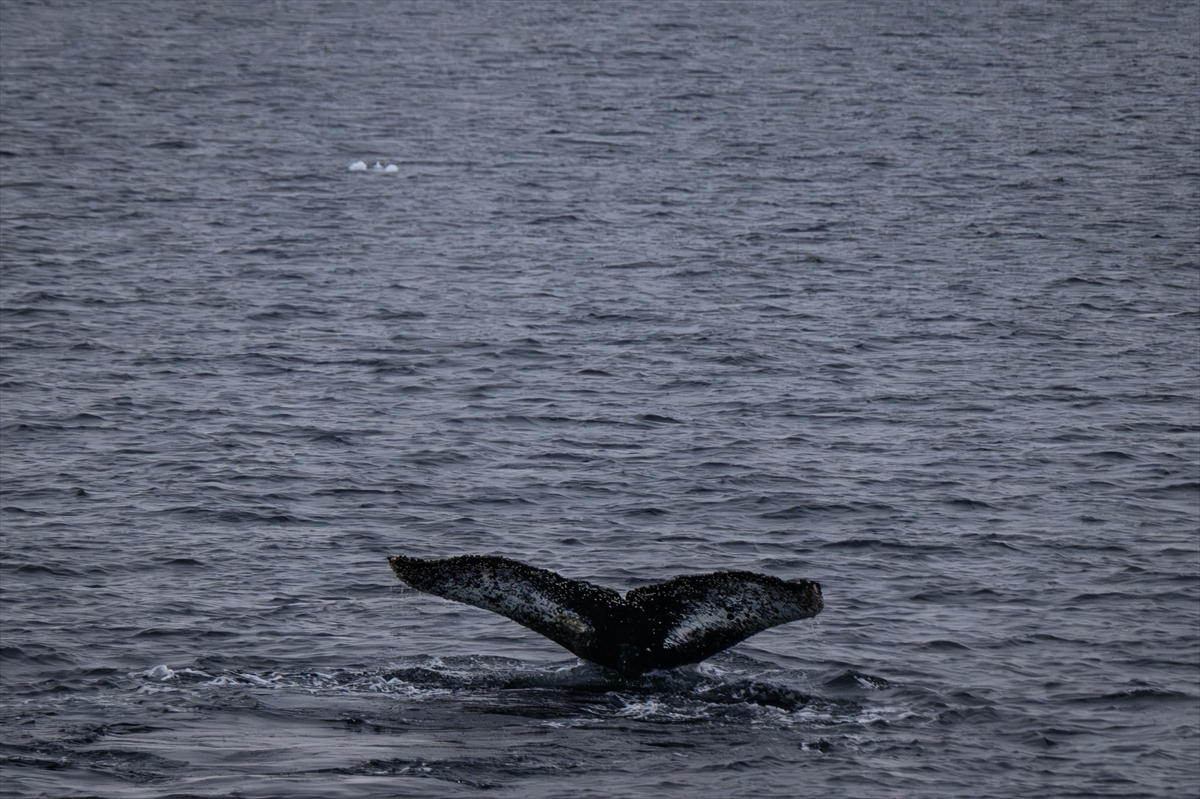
[683,620]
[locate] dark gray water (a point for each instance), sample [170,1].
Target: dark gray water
[903,298]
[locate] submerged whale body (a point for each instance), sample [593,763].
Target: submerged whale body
[661,626]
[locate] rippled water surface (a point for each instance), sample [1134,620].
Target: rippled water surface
[903,298]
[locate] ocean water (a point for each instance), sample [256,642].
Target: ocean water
[903,298]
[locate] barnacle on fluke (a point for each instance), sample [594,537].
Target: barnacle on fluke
[683,620]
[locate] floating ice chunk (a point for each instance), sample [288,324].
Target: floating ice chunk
[361,166]
[159,673]
[194,673]
[254,678]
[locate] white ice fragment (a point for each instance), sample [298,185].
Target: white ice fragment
[254,678]
[160,673]
[194,673]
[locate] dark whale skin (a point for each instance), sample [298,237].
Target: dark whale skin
[683,620]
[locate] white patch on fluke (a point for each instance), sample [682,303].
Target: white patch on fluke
[694,625]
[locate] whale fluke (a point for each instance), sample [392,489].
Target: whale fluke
[661,626]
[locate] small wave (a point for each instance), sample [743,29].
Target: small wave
[941,645]
[970,504]
[35,311]
[1113,455]
[1136,695]
[1076,280]
[565,457]
[1185,490]
[393,315]
[172,144]
[826,509]
[230,516]
[33,655]
[184,562]
[42,568]
[857,679]
[183,632]
[136,767]
[22,511]
[647,511]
